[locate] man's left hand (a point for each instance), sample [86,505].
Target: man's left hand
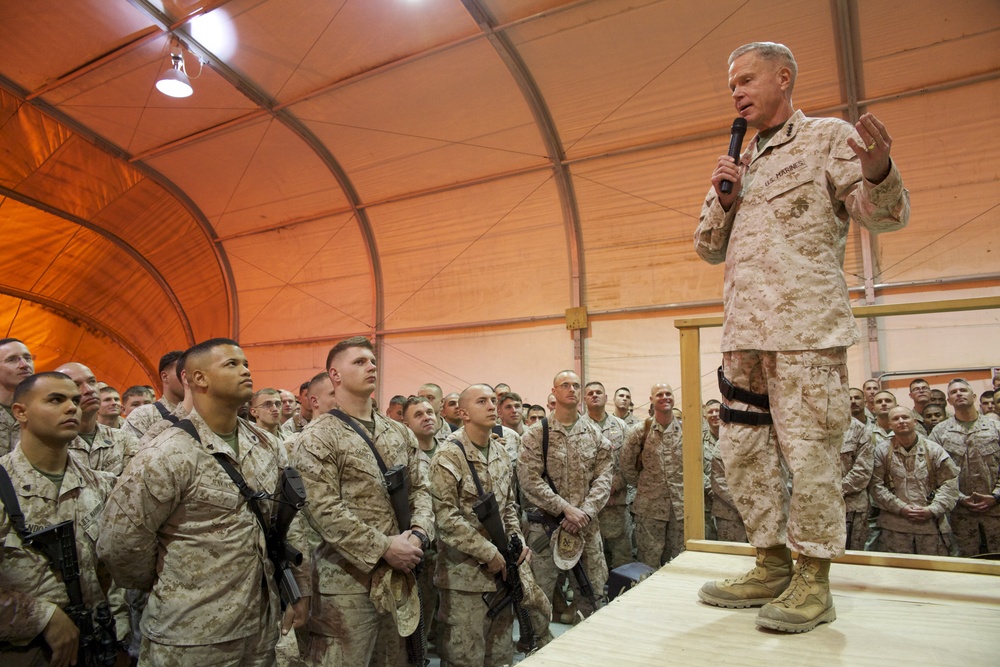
[874,154]
[525,556]
[295,616]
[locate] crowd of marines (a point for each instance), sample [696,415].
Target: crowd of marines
[167,539]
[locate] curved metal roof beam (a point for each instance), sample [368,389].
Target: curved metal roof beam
[153,175]
[550,136]
[119,242]
[262,100]
[71,313]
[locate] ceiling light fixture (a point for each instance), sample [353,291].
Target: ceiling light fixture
[175,82]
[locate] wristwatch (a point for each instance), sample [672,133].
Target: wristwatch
[424,542]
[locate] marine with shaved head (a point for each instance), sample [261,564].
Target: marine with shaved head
[51,487]
[177,525]
[579,465]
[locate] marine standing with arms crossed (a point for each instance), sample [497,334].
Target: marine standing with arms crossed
[787,323]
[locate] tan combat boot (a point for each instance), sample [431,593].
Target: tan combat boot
[755,588]
[805,603]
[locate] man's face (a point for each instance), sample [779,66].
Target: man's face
[510,413]
[757,90]
[501,391]
[938,397]
[134,401]
[322,397]
[16,363]
[933,415]
[479,406]
[394,412]
[551,403]
[920,393]
[420,418]
[171,383]
[901,420]
[883,403]
[961,395]
[623,400]
[51,410]
[267,409]
[857,402]
[305,403]
[870,387]
[90,400]
[595,397]
[226,373]
[535,415]
[355,370]
[288,403]
[449,409]
[986,404]
[712,415]
[111,404]
[432,397]
[566,389]
[662,398]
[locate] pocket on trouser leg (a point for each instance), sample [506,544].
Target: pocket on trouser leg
[813,403]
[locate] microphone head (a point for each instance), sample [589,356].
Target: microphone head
[739,125]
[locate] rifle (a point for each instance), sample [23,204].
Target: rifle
[98,645]
[290,498]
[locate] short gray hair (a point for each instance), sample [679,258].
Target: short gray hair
[769,51]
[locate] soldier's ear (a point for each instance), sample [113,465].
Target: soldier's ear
[19,410]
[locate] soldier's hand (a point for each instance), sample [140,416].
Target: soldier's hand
[981,502]
[295,616]
[575,521]
[525,556]
[727,170]
[498,566]
[401,554]
[63,637]
[874,154]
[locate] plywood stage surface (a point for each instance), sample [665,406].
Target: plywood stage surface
[885,616]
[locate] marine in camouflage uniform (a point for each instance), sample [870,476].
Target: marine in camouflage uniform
[614,517]
[728,522]
[973,441]
[787,322]
[580,465]
[469,562]
[176,525]
[364,551]
[857,456]
[709,449]
[652,462]
[32,596]
[16,364]
[915,483]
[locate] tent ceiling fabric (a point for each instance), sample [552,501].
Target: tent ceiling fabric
[379,166]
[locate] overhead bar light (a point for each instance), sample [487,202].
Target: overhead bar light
[175,82]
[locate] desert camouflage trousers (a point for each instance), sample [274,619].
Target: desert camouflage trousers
[966,527]
[659,541]
[810,408]
[346,630]
[615,531]
[467,638]
[546,573]
[927,544]
[857,523]
[730,530]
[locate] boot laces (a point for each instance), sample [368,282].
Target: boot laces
[798,589]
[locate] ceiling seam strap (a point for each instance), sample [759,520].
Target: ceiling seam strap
[159,179]
[518,70]
[114,240]
[261,99]
[61,307]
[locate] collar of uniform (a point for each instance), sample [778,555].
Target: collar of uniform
[167,404]
[29,482]
[472,452]
[212,443]
[657,426]
[786,133]
[559,427]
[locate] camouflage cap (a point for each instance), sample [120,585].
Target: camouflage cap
[567,549]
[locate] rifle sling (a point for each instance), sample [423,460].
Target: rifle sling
[364,436]
[11,504]
[472,468]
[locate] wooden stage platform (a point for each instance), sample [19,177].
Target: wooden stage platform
[885,616]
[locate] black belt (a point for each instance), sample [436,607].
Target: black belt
[733,393]
[730,416]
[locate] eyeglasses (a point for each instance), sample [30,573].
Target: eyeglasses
[566,386]
[15,359]
[267,405]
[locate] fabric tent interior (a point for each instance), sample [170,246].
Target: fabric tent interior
[450,176]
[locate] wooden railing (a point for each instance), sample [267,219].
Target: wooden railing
[694,501]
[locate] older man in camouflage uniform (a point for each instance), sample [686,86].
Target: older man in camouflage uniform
[16,363]
[973,441]
[651,461]
[615,528]
[99,446]
[579,465]
[469,562]
[366,558]
[915,483]
[857,456]
[782,232]
[177,526]
[51,487]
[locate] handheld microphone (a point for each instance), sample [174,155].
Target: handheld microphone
[738,131]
